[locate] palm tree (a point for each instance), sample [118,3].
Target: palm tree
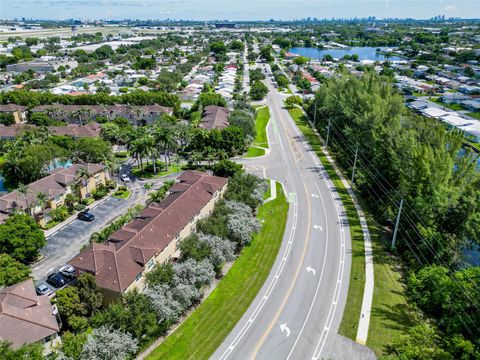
[82,178]
[176,160]
[222,155]
[196,157]
[41,200]
[155,197]
[23,189]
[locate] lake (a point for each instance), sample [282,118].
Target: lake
[364,53]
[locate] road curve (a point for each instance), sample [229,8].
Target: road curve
[298,311]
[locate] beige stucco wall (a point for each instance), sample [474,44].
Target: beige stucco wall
[91,185]
[171,250]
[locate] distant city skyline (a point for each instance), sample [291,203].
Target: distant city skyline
[235,10]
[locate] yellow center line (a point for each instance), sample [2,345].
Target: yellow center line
[290,289]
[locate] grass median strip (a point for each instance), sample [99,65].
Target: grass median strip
[200,334]
[351,314]
[261,121]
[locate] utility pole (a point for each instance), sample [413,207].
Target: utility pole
[354,165]
[394,239]
[328,132]
[315,114]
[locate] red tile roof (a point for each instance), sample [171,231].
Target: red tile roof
[51,185]
[24,316]
[116,263]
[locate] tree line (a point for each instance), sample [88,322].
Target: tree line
[401,155]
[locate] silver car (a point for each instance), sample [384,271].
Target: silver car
[43,289]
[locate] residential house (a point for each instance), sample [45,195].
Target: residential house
[120,264]
[471,105]
[454,98]
[78,179]
[27,318]
[18,112]
[215,117]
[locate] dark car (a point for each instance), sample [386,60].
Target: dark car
[85,216]
[56,280]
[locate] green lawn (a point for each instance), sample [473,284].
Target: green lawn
[254,152]
[263,116]
[351,314]
[454,107]
[475,115]
[391,316]
[122,194]
[147,172]
[200,335]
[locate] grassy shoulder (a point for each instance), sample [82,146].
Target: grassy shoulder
[351,314]
[201,333]
[391,314]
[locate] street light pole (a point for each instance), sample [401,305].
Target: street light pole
[354,165]
[394,239]
[328,132]
[315,114]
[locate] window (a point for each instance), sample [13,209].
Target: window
[150,264]
[139,276]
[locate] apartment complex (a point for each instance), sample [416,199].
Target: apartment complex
[78,179]
[119,265]
[73,130]
[137,115]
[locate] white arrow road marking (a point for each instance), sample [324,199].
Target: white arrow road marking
[317,227]
[310,269]
[284,328]
[315,196]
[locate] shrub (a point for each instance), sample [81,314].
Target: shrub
[60,214]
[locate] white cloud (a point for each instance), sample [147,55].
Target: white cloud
[451,7]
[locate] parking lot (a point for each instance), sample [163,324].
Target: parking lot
[67,242]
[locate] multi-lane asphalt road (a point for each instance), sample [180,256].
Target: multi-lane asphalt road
[297,313]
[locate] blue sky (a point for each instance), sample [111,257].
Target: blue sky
[236,9]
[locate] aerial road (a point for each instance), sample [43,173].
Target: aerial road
[297,313]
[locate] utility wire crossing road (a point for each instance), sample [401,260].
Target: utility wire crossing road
[297,312]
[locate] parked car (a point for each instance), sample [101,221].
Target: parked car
[85,215]
[57,280]
[43,289]
[125,178]
[67,271]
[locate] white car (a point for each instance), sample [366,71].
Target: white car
[68,271]
[125,178]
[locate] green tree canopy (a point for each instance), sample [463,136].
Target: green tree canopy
[21,237]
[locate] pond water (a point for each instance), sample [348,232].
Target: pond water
[57,164]
[364,53]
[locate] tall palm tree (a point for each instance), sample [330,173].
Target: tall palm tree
[41,200]
[23,189]
[82,178]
